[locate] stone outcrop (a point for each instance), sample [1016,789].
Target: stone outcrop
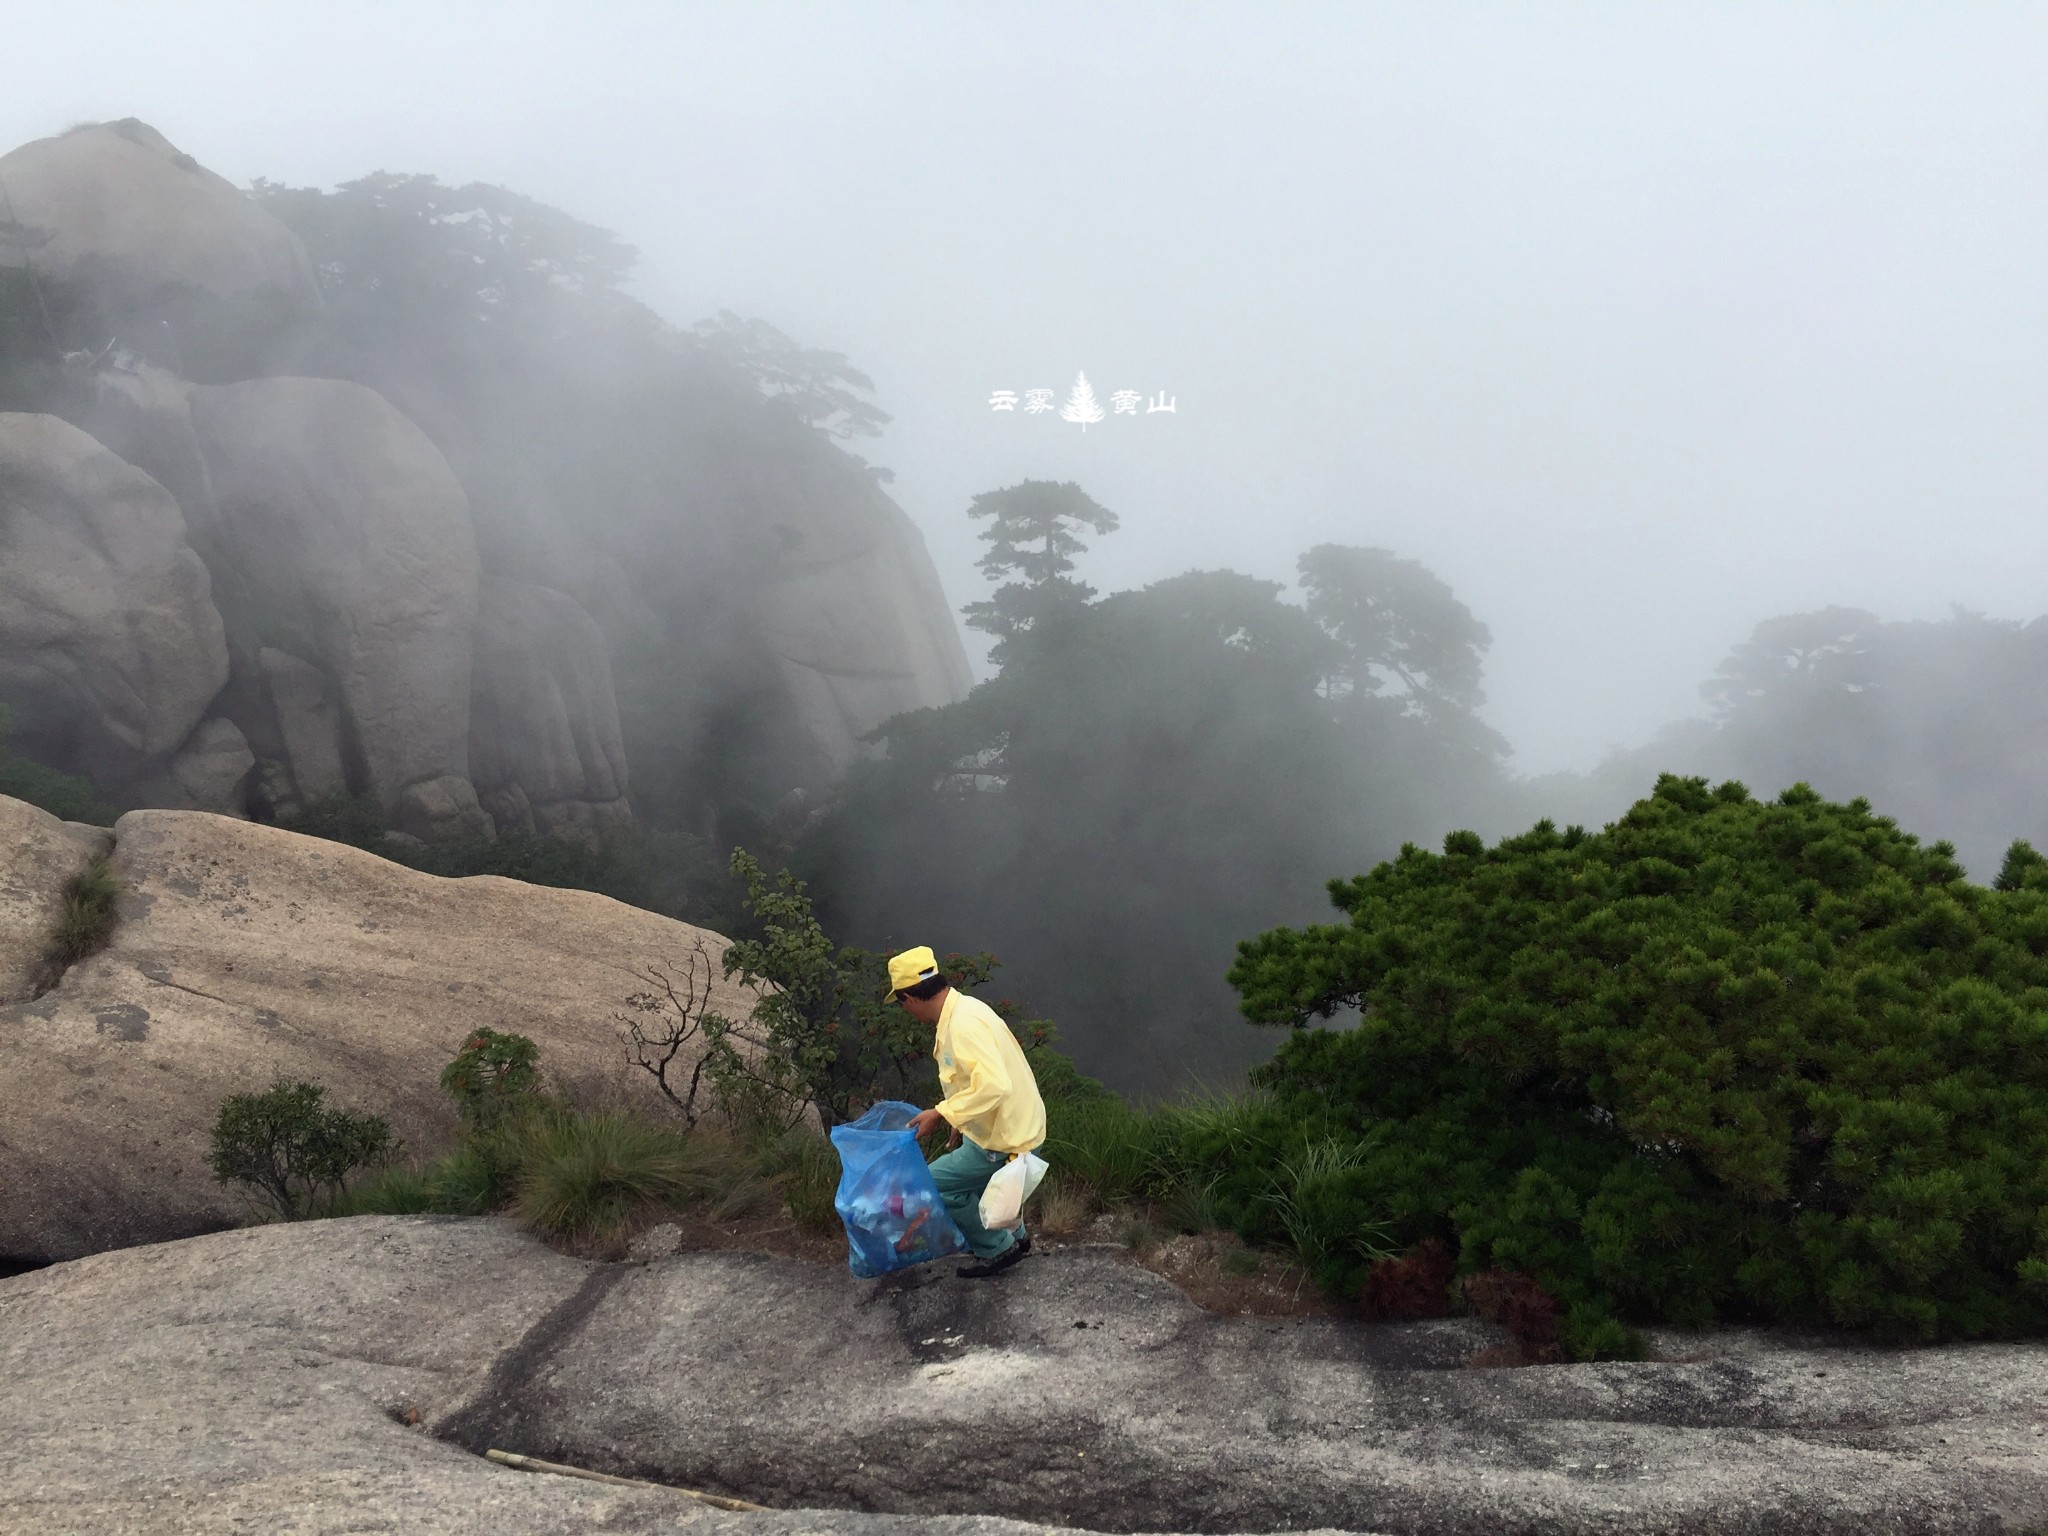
[332,1376]
[443,809]
[688,549]
[345,539]
[209,770]
[144,414]
[545,750]
[863,635]
[132,240]
[110,645]
[852,610]
[308,719]
[243,951]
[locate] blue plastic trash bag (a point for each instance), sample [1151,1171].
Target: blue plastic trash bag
[886,1197]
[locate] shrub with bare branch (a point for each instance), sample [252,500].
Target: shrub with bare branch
[672,1015]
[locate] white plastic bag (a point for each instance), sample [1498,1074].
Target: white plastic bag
[1003,1197]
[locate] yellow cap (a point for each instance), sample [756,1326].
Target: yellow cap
[909,968]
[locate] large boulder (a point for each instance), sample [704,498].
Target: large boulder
[544,745]
[110,645]
[852,610]
[308,719]
[131,240]
[339,535]
[243,951]
[209,771]
[330,1377]
[749,576]
[145,416]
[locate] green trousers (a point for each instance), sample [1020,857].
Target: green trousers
[962,1174]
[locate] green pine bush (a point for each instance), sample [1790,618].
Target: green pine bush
[1724,1059]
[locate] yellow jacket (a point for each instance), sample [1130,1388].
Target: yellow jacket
[991,1097]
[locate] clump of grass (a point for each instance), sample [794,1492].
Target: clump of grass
[478,1176]
[587,1176]
[1241,1261]
[1105,1144]
[85,925]
[390,1191]
[807,1170]
[1137,1234]
[1062,1204]
[1189,1204]
[1316,1194]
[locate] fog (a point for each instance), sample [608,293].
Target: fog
[1643,392]
[1636,327]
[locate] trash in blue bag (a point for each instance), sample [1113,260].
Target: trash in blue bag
[887,1199]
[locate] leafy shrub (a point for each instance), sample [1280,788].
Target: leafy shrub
[290,1148]
[493,1075]
[821,1036]
[1725,1058]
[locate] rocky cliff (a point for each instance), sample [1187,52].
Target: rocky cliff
[243,952]
[341,1376]
[488,550]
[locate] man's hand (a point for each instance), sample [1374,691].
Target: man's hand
[925,1122]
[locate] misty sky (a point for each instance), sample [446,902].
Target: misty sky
[1636,324]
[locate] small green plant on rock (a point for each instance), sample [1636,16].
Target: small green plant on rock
[493,1077]
[86,924]
[291,1149]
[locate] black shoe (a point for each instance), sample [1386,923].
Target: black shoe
[981,1269]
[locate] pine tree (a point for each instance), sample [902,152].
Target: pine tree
[1022,516]
[1082,406]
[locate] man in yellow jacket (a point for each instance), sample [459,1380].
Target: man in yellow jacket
[991,1103]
